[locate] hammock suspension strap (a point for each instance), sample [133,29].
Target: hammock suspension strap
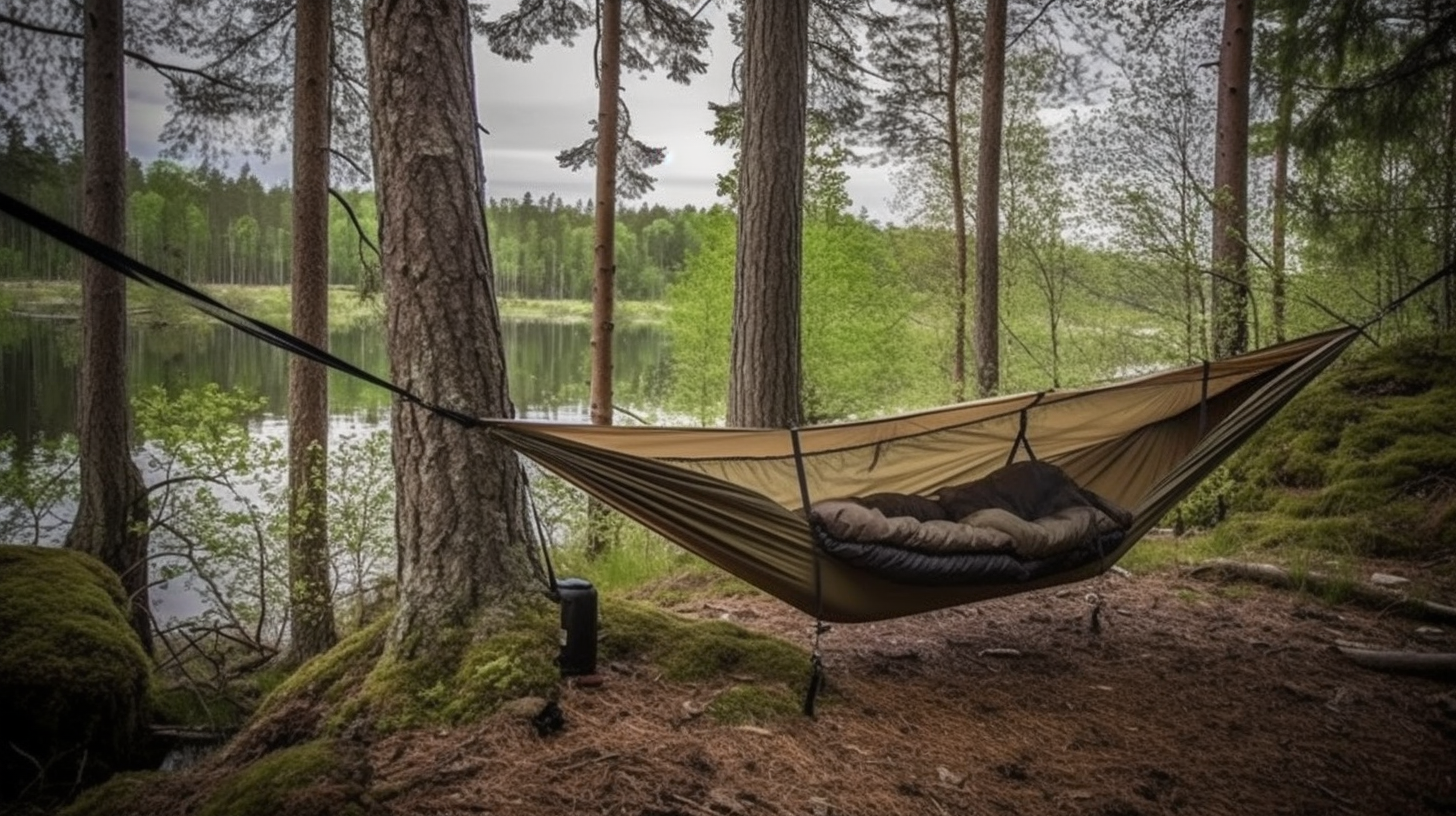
[1021,440]
[816,662]
[1203,403]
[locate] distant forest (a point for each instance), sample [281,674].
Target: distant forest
[205,226]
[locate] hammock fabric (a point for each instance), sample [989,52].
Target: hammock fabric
[737,497]
[733,496]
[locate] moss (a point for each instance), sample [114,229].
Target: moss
[335,674]
[1363,463]
[464,677]
[119,794]
[753,704]
[696,650]
[303,780]
[74,680]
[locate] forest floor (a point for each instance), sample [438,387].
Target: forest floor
[1193,696]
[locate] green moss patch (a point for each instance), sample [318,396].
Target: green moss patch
[696,650]
[751,704]
[122,793]
[467,676]
[1362,464]
[312,779]
[74,681]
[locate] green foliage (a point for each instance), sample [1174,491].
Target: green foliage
[37,481]
[220,515]
[862,351]
[74,680]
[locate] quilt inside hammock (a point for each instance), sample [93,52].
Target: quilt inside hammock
[1024,521]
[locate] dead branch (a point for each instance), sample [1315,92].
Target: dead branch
[1367,595]
[1441,666]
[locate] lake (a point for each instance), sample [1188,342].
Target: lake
[547,362]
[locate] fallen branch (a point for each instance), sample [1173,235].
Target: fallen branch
[1367,595]
[1426,664]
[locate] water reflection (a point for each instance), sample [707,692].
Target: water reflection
[547,363]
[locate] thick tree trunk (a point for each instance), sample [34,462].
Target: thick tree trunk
[988,204]
[958,198]
[111,521]
[1231,183]
[461,516]
[765,378]
[312,622]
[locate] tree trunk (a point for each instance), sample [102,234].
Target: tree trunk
[1230,183]
[1448,256]
[604,281]
[312,621]
[461,515]
[765,378]
[958,199]
[111,521]
[988,204]
[1283,130]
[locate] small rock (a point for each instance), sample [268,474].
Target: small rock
[1121,572]
[820,806]
[1385,579]
[692,709]
[949,777]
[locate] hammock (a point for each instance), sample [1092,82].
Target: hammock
[738,497]
[735,498]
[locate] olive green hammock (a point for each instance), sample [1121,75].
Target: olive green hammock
[735,496]
[740,497]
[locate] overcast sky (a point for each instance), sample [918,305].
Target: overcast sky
[533,110]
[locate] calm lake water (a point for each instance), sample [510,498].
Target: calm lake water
[547,362]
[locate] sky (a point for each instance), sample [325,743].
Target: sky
[533,110]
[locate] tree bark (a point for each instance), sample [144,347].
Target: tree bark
[988,204]
[1283,130]
[604,282]
[461,514]
[765,377]
[1231,183]
[312,621]
[111,520]
[958,199]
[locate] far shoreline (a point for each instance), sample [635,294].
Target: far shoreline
[60,300]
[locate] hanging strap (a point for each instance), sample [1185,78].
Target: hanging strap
[816,663]
[1203,403]
[1021,440]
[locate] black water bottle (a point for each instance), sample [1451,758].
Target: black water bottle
[578,627]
